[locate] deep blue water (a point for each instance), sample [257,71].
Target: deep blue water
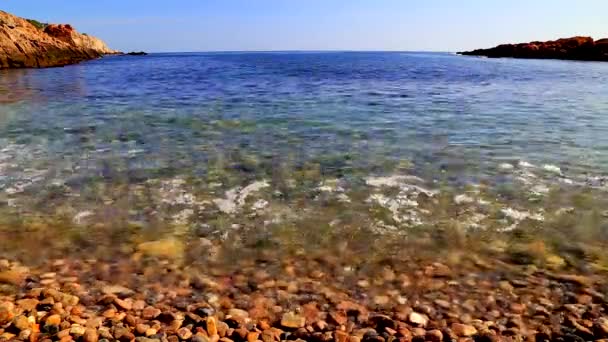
[135,118]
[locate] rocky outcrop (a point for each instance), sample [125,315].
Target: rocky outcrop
[24,45]
[575,48]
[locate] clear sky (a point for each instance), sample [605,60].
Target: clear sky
[209,25]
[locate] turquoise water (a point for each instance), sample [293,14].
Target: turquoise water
[164,130]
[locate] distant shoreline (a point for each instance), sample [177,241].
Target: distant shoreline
[575,48]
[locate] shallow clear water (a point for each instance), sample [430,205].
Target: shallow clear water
[222,120]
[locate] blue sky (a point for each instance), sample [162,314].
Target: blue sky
[212,25]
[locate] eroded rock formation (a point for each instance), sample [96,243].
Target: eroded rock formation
[25,45]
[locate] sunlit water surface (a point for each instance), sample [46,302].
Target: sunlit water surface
[210,142]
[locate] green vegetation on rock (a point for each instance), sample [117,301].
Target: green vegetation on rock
[37,24]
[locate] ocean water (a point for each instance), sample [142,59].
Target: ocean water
[191,137]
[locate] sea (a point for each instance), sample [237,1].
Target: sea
[210,143]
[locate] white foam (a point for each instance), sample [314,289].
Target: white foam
[552,169]
[506,167]
[391,181]
[525,164]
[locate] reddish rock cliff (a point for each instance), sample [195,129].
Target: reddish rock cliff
[575,48]
[23,45]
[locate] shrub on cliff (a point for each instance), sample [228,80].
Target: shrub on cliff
[37,24]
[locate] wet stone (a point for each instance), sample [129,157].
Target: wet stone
[77,330]
[21,322]
[292,320]
[211,326]
[123,304]
[601,327]
[463,330]
[150,312]
[53,320]
[144,339]
[184,333]
[418,319]
[238,313]
[434,335]
[340,336]
[90,335]
[339,317]
[27,304]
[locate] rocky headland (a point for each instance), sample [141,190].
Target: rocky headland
[29,44]
[575,48]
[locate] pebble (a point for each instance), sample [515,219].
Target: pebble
[21,322]
[238,313]
[506,286]
[292,320]
[12,277]
[184,333]
[90,335]
[150,312]
[381,300]
[340,336]
[144,339]
[77,330]
[601,325]
[442,303]
[199,338]
[434,335]
[53,320]
[118,290]
[339,317]
[252,336]
[289,308]
[211,326]
[463,330]
[142,328]
[418,319]
[123,304]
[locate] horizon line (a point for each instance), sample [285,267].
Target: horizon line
[297,51]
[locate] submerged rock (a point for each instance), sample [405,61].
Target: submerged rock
[235,198]
[170,248]
[463,199]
